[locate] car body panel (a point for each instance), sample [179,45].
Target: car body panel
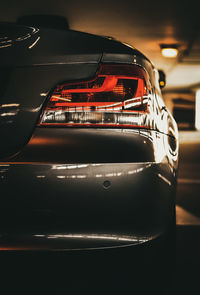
[102,200]
[26,46]
[118,189]
[78,188]
[24,95]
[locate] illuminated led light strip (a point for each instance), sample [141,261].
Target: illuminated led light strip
[94,104]
[113,107]
[102,105]
[109,84]
[88,125]
[99,111]
[86,104]
[85,110]
[88,109]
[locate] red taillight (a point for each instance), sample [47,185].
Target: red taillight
[117,97]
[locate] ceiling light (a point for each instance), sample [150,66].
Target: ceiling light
[169,51]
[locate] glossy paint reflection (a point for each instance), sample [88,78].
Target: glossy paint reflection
[8,113]
[68,242]
[107,171]
[10,35]
[132,146]
[73,203]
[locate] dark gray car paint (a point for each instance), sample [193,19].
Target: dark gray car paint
[47,203]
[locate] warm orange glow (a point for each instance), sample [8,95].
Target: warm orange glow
[108,85]
[127,126]
[44,141]
[162,83]
[116,97]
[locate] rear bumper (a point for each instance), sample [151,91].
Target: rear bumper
[83,206]
[76,189]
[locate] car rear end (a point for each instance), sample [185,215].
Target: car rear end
[88,149]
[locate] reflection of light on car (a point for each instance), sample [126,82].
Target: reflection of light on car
[119,238]
[61,167]
[19,36]
[8,114]
[71,176]
[164,179]
[43,94]
[103,171]
[34,43]
[99,175]
[10,105]
[92,143]
[6,45]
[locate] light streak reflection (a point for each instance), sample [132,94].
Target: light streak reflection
[164,179]
[120,238]
[34,43]
[92,170]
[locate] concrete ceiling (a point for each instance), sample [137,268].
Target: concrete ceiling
[143,24]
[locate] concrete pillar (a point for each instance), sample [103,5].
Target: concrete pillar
[197,109]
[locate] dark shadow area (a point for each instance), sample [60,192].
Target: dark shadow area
[57,22]
[129,270]
[184,113]
[188,229]
[187,260]
[188,189]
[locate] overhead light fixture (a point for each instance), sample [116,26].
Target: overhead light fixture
[169,50]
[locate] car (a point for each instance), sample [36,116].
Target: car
[89,150]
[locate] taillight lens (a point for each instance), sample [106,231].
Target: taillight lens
[118,96]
